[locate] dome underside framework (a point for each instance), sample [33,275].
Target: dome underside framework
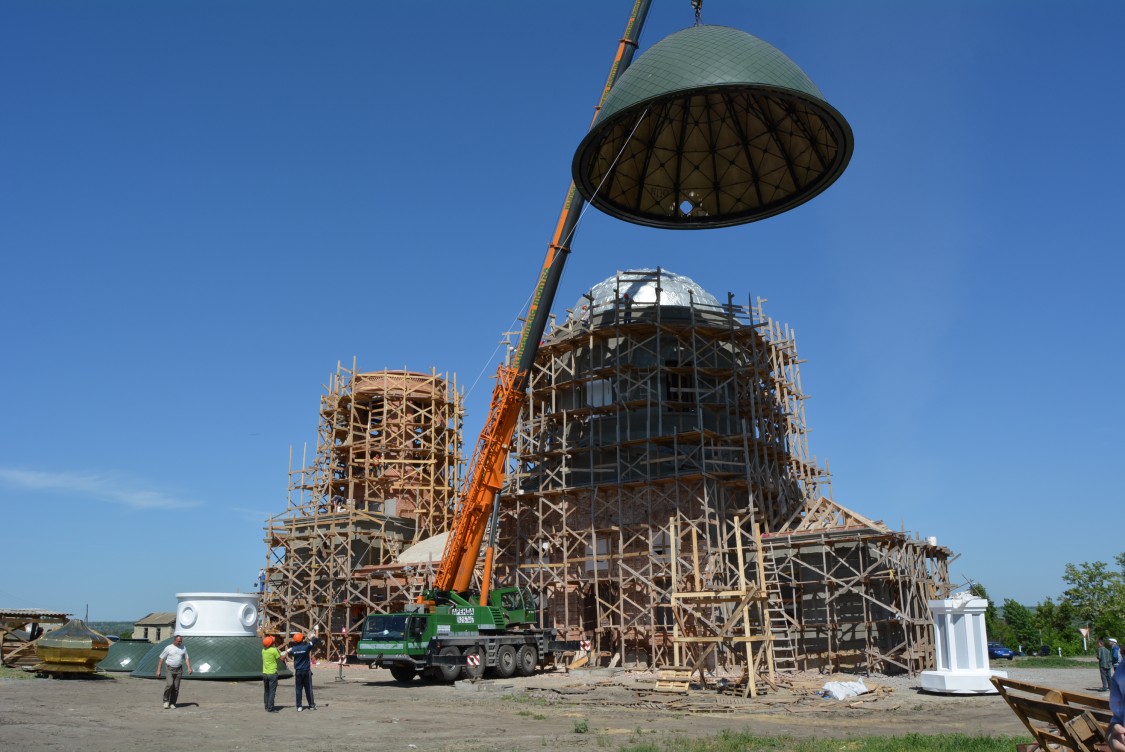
[724,153]
[661,433]
[711,127]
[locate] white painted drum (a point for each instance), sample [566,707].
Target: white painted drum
[217,614]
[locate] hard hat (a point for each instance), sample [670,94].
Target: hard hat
[1113,639]
[297,637]
[267,641]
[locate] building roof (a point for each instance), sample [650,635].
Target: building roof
[157,618]
[32,614]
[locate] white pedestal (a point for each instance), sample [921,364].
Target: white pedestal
[960,648]
[960,682]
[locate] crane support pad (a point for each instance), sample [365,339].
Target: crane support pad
[448,660]
[560,646]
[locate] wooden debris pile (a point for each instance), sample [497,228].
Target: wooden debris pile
[677,692]
[1058,719]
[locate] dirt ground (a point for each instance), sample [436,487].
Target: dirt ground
[359,708]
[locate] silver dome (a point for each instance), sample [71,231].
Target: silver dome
[644,288]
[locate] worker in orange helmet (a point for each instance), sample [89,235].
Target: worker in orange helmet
[271,659]
[301,651]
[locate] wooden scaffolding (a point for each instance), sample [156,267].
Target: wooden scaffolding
[849,594]
[20,628]
[385,474]
[731,617]
[645,408]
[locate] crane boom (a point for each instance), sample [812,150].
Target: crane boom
[486,469]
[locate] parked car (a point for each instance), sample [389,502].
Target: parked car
[996,650]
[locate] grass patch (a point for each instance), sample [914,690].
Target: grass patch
[533,716]
[739,741]
[15,673]
[524,699]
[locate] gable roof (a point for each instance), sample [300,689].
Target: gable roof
[33,613]
[157,618]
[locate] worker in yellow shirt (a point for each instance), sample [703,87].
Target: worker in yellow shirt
[271,659]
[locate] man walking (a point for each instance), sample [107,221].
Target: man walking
[302,668]
[271,657]
[1105,663]
[175,656]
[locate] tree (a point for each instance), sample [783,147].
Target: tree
[1096,595]
[1089,589]
[1058,626]
[1020,623]
[1095,598]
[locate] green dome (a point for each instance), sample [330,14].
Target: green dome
[705,56]
[124,655]
[213,658]
[708,128]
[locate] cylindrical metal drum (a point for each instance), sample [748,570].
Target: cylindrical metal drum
[217,614]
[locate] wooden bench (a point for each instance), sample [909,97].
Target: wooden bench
[1058,719]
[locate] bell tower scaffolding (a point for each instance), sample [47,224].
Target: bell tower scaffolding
[387,466]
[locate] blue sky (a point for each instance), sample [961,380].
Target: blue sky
[205,205]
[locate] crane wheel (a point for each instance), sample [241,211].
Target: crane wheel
[448,673]
[527,658]
[506,661]
[477,671]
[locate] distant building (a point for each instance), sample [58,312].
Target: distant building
[155,627]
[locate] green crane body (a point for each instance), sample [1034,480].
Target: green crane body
[460,638]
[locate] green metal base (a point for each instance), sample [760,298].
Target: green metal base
[124,655]
[213,658]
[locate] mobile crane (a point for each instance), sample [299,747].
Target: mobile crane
[453,632]
[711,128]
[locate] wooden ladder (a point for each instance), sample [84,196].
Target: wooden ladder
[781,625]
